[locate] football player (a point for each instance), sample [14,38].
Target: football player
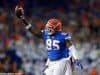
[58,45]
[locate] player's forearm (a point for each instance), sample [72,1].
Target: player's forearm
[24,21]
[75,56]
[30,28]
[34,31]
[72,49]
[74,52]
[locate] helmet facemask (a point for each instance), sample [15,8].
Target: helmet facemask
[50,30]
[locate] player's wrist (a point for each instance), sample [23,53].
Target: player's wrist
[28,26]
[78,63]
[22,17]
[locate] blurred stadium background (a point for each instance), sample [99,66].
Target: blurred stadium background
[26,53]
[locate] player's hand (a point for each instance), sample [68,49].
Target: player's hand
[78,64]
[19,11]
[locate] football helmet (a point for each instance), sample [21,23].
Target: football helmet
[53,25]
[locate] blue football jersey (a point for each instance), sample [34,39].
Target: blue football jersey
[56,45]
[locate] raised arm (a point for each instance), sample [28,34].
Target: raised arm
[19,11]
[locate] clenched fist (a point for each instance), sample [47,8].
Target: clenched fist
[19,11]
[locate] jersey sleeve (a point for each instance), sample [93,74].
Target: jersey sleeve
[67,36]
